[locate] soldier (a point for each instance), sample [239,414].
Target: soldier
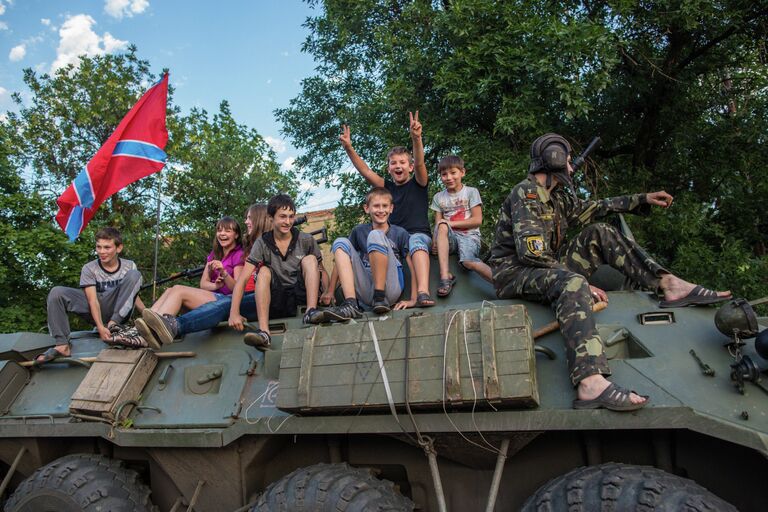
[532,260]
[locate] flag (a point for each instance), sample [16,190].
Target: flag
[134,150]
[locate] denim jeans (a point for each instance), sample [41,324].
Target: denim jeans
[210,314]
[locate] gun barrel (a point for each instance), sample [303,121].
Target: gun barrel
[584,154]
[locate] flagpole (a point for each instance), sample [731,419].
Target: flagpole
[157,238]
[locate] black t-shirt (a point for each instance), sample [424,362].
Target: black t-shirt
[411,202]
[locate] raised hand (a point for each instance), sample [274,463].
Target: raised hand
[415,124]
[660,198]
[346,137]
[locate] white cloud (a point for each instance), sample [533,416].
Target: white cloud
[3,25]
[289,163]
[3,91]
[120,8]
[278,145]
[17,53]
[45,21]
[76,38]
[3,117]
[2,9]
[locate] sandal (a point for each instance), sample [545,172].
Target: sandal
[423,300]
[445,286]
[614,398]
[699,296]
[128,338]
[49,355]
[258,339]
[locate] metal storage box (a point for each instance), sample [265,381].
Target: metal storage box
[457,358]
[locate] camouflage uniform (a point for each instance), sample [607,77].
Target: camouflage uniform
[531,259]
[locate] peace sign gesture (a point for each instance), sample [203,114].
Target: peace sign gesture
[415,124]
[345,138]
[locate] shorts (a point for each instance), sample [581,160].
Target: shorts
[419,242]
[467,246]
[286,298]
[362,271]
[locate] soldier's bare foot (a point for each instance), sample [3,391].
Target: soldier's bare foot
[675,288]
[591,387]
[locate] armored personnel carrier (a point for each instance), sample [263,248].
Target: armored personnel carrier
[459,407]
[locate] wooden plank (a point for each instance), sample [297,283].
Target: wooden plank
[487,334]
[136,382]
[103,382]
[304,388]
[453,325]
[109,355]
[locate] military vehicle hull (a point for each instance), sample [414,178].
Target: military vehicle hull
[218,445]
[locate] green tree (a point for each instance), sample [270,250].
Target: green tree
[676,89]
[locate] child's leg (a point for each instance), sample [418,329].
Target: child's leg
[443,249]
[263,297]
[180,295]
[117,303]
[61,301]
[469,256]
[311,272]
[342,257]
[481,268]
[419,244]
[387,274]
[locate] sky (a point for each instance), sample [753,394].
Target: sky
[247,52]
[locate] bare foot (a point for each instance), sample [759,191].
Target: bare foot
[675,288]
[591,387]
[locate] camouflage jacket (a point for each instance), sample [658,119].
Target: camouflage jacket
[533,223]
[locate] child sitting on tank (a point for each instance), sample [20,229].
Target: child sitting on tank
[458,217]
[369,263]
[108,292]
[288,275]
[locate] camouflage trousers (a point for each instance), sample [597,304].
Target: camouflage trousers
[567,290]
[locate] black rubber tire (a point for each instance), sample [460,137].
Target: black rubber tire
[620,487]
[331,488]
[81,483]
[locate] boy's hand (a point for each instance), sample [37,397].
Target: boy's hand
[236,321]
[104,333]
[326,299]
[346,137]
[405,304]
[415,125]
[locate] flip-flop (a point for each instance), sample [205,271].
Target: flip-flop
[445,286]
[48,356]
[423,300]
[699,296]
[614,398]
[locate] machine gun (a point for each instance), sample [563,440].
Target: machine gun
[585,154]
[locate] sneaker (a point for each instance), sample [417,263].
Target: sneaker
[129,338]
[343,312]
[164,327]
[381,307]
[314,316]
[147,334]
[258,339]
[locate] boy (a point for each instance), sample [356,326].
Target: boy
[289,275]
[368,263]
[109,287]
[458,216]
[410,198]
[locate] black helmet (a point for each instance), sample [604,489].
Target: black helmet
[549,153]
[737,318]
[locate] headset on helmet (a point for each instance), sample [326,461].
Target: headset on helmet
[549,153]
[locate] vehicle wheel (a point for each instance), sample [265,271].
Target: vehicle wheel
[84,483]
[623,487]
[331,487]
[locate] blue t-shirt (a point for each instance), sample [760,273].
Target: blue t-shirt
[397,236]
[411,202]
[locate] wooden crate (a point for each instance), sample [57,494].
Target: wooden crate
[335,368]
[116,377]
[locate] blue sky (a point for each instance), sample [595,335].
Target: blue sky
[246,51]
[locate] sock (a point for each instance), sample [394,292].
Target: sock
[378,295]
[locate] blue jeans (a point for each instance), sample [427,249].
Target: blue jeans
[210,314]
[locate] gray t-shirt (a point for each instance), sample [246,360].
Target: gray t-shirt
[93,274]
[458,206]
[285,268]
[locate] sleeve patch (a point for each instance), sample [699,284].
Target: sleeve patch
[535,244]
[531,195]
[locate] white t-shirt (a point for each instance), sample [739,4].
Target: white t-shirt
[458,206]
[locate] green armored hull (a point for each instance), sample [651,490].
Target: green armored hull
[208,432]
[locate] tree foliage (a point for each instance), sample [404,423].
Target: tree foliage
[677,89]
[216,167]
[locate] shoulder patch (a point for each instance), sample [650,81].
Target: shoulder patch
[535,244]
[531,195]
